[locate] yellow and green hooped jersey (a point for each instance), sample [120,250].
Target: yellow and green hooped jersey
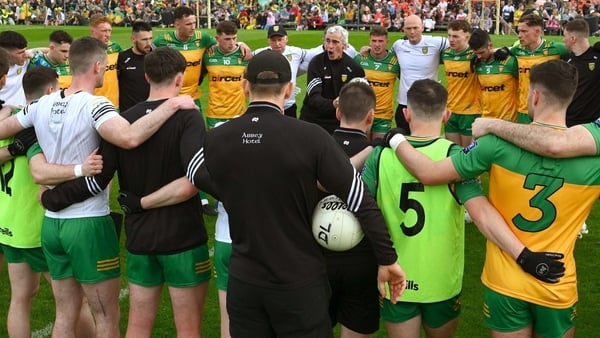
[193,52]
[63,70]
[382,75]
[544,202]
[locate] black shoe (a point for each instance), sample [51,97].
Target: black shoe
[208,210]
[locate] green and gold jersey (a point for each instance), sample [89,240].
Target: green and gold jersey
[224,73]
[382,75]
[426,223]
[463,88]
[526,59]
[499,88]
[63,70]
[193,52]
[544,201]
[110,87]
[21,214]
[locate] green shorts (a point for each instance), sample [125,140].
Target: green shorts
[222,255]
[506,314]
[461,124]
[211,122]
[523,118]
[34,257]
[434,315]
[381,126]
[84,248]
[183,269]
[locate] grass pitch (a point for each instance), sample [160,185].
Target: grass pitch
[471,322]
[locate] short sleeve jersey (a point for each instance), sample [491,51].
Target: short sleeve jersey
[193,52]
[63,70]
[419,61]
[382,75]
[110,87]
[463,88]
[12,93]
[224,73]
[426,223]
[544,202]
[499,88]
[526,59]
[66,131]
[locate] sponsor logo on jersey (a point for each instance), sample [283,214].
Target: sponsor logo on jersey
[194,63]
[379,84]
[499,88]
[6,231]
[251,138]
[458,74]
[226,78]
[411,285]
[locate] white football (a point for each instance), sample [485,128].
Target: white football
[334,227]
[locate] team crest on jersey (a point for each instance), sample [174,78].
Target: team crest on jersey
[597,123]
[545,52]
[500,69]
[470,147]
[592,66]
[390,68]
[289,57]
[424,50]
[19,71]
[344,77]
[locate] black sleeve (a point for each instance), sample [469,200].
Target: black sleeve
[345,182]
[192,154]
[314,86]
[82,188]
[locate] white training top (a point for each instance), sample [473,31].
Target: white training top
[12,93]
[66,131]
[420,61]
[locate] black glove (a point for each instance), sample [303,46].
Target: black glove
[501,54]
[388,136]
[597,47]
[377,142]
[130,203]
[544,266]
[22,141]
[474,62]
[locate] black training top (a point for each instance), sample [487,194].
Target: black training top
[585,106]
[133,87]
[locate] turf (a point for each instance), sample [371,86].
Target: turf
[471,322]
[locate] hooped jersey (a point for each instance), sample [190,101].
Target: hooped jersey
[544,201]
[63,70]
[526,59]
[110,87]
[18,191]
[426,223]
[224,73]
[193,52]
[499,88]
[462,84]
[382,75]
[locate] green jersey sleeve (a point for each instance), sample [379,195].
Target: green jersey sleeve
[369,173]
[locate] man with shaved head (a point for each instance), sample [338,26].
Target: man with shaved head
[419,58]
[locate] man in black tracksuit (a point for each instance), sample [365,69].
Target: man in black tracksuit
[264,167]
[327,73]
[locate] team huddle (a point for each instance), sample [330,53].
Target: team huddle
[81,111]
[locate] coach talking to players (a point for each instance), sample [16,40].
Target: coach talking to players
[277,283]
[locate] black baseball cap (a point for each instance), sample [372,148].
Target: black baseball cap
[276,30]
[268,61]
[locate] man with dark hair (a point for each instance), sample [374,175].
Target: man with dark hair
[585,106]
[67,126]
[498,79]
[164,245]
[56,58]
[532,50]
[463,89]
[16,46]
[354,298]
[327,73]
[279,287]
[382,70]
[101,29]
[133,86]
[544,202]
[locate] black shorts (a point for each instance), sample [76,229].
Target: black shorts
[262,312]
[354,294]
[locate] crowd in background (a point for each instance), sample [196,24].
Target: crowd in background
[301,14]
